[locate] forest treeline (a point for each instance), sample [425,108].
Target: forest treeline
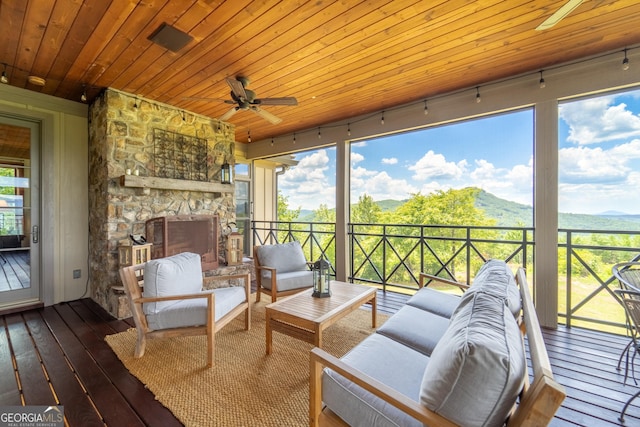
[398,237]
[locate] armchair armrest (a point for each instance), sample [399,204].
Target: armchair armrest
[246,277]
[462,286]
[320,359]
[205,294]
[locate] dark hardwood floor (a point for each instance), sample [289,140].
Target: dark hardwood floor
[57,355]
[14,269]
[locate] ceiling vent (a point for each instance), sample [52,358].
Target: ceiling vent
[170,37]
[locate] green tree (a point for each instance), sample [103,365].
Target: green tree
[284,213]
[366,211]
[324,214]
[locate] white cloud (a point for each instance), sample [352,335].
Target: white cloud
[307,185]
[595,120]
[379,185]
[389,161]
[356,158]
[597,165]
[434,166]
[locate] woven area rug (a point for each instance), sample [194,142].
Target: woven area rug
[245,387]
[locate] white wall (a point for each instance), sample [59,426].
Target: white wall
[64,203]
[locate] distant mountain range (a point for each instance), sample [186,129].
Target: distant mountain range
[512,214]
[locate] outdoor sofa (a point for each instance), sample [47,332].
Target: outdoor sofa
[444,360]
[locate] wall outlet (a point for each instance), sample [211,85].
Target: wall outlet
[77,273]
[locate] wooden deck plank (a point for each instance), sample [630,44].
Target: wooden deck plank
[99,387]
[78,408]
[143,402]
[9,392]
[35,385]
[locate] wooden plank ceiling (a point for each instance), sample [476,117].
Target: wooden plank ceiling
[338,58]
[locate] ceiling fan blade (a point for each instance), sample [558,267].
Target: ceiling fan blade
[266,115]
[559,14]
[276,101]
[197,98]
[237,88]
[229,113]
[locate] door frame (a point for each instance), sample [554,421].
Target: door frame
[46,209]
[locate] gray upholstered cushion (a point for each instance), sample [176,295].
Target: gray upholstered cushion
[495,278]
[193,312]
[174,275]
[290,280]
[387,361]
[283,257]
[477,369]
[437,302]
[419,329]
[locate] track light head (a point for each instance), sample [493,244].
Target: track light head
[4,79]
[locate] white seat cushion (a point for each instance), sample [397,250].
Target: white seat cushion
[193,312]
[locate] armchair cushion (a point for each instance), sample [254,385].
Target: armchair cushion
[175,275]
[481,352]
[284,257]
[290,280]
[193,312]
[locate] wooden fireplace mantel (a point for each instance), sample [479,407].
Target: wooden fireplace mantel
[148,182]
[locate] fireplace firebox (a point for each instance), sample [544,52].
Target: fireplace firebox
[172,235]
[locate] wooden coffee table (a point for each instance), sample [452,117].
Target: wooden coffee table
[305,317]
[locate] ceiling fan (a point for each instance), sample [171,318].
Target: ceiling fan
[246,100]
[559,14]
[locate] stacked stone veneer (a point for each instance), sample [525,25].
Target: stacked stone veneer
[121,137]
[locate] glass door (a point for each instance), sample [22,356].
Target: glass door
[243,205]
[19,193]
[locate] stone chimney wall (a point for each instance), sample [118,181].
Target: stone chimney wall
[121,137]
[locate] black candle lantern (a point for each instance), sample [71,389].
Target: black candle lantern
[321,269]
[226,175]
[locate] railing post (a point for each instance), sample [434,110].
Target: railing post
[384,258]
[568,261]
[468,243]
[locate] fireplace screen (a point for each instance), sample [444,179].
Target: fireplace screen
[172,235]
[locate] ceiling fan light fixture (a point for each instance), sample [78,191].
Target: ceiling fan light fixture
[35,80]
[559,15]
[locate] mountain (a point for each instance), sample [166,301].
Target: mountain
[512,214]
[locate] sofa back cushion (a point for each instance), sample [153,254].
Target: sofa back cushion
[495,278]
[477,368]
[175,275]
[284,257]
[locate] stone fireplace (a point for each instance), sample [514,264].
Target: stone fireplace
[134,177]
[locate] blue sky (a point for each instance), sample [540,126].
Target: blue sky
[599,143]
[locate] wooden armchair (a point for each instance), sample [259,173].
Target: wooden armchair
[168,301]
[281,270]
